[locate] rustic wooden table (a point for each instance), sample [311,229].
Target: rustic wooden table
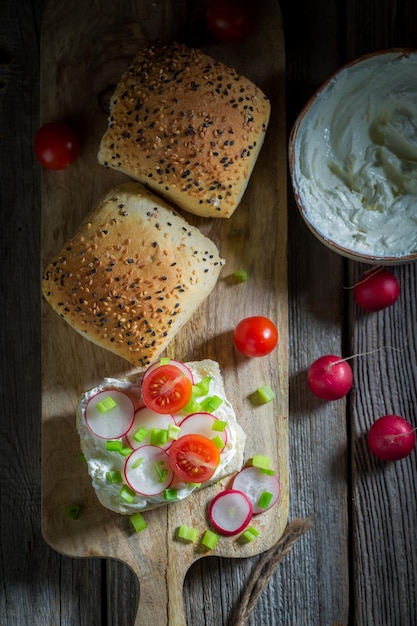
[358,563]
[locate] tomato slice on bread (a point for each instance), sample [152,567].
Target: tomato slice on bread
[166,389]
[194,458]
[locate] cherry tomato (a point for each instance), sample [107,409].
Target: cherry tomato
[255,336]
[230,20]
[56,146]
[194,458]
[166,389]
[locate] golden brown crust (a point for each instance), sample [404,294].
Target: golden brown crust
[188,126]
[132,275]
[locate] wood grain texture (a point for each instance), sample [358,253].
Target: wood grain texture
[81,51]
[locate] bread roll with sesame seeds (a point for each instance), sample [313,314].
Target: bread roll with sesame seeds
[132,275]
[188,126]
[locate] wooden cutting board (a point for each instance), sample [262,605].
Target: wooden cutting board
[85,48]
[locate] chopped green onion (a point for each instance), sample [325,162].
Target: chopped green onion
[219,426]
[138,522]
[261,462]
[72,511]
[193,406]
[210,539]
[218,442]
[250,533]
[266,393]
[127,494]
[125,450]
[165,360]
[173,431]
[161,471]
[194,485]
[82,458]
[264,500]
[159,436]
[202,387]
[268,472]
[137,463]
[171,494]
[115,445]
[241,276]
[211,404]
[106,405]
[187,533]
[140,434]
[114,477]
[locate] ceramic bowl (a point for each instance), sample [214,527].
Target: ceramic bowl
[353,159]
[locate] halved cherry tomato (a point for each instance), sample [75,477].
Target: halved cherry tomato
[230,20]
[194,458]
[56,146]
[166,389]
[255,336]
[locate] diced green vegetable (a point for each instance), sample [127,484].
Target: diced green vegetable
[261,462]
[171,494]
[211,404]
[82,458]
[114,445]
[138,522]
[127,494]
[250,533]
[114,477]
[140,434]
[264,499]
[266,393]
[218,442]
[125,450]
[159,436]
[268,472]
[164,360]
[210,539]
[241,276]
[137,463]
[161,471]
[173,431]
[72,511]
[106,405]
[187,533]
[202,387]
[219,426]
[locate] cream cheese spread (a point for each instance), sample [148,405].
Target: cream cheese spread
[355,166]
[100,460]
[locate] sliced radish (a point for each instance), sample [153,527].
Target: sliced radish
[202,424]
[147,471]
[181,366]
[148,419]
[254,483]
[111,422]
[230,512]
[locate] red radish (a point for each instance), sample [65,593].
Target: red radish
[377,290]
[391,438]
[148,419]
[253,482]
[330,377]
[230,512]
[201,424]
[147,471]
[181,366]
[111,422]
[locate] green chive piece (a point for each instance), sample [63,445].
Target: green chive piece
[173,431]
[193,406]
[264,500]
[161,471]
[127,494]
[137,463]
[140,434]
[72,511]
[268,472]
[138,522]
[197,485]
[165,360]
[159,436]
[114,445]
[114,477]
[210,539]
[218,442]
[266,394]
[261,462]
[241,276]
[219,426]
[125,450]
[212,403]
[250,533]
[171,494]
[202,387]
[82,458]
[187,533]
[106,405]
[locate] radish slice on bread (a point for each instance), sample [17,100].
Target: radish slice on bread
[109,414]
[256,485]
[181,366]
[230,512]
[147,471]
[148,420]
[202,424]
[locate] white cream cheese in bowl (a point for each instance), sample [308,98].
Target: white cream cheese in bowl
[353,159]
